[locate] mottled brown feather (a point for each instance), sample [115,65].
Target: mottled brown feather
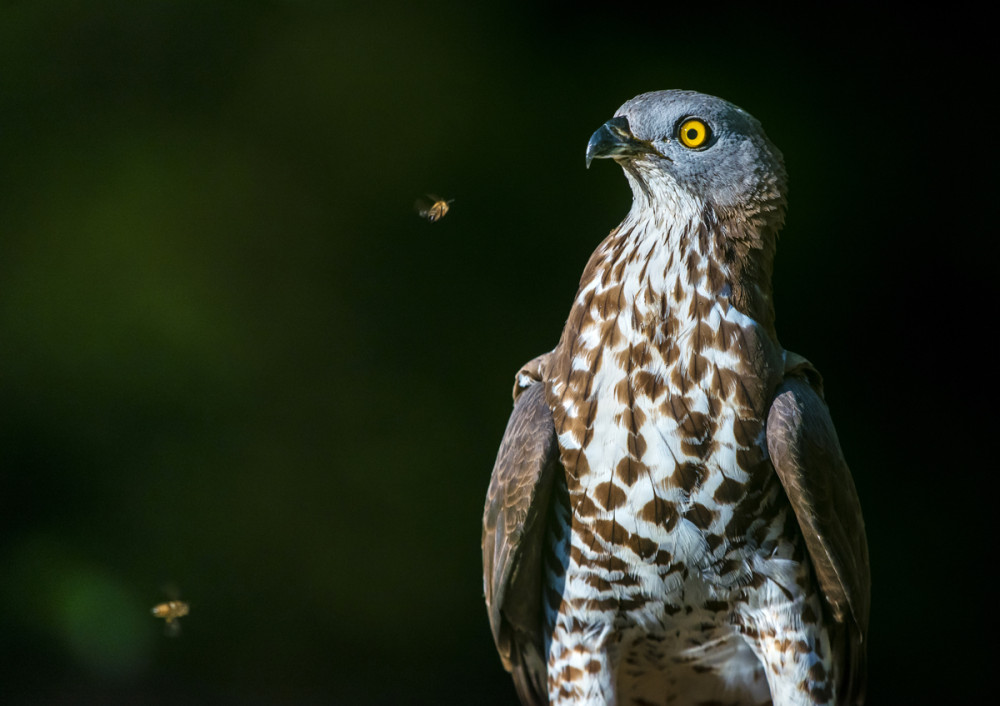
[531,372]
[514,524]
[806,455]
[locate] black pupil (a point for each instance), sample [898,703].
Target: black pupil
[692,134]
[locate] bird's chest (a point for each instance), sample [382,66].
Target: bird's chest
[662,438]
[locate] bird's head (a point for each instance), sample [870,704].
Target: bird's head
[684,145]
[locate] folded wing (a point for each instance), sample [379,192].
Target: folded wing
[806,454]
[514,527]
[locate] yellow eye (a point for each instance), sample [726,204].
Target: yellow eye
[694,133]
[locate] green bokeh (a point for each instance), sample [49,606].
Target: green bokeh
[94,618]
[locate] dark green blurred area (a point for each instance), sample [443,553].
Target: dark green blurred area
[233,360]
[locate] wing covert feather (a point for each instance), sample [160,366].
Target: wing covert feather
[806,455]
[514,522]
[805,451]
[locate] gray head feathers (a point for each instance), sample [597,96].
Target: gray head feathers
[707,147]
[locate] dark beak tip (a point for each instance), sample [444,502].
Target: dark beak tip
[614,139]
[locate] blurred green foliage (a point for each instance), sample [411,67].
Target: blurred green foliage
[232,358]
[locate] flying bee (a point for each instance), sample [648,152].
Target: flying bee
[171,611]
[433,208]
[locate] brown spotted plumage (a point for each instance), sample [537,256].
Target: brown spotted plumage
[670,518]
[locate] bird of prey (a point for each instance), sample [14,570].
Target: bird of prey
[670,519]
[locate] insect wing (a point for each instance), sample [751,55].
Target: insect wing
[423,207]
[172,628]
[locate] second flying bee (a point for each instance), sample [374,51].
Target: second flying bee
[171,611]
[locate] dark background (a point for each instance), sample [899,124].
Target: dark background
[234,361]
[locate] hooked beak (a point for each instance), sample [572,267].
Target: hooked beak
[614,139]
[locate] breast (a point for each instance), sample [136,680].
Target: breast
[662,428]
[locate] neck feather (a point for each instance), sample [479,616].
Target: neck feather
[666,249]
